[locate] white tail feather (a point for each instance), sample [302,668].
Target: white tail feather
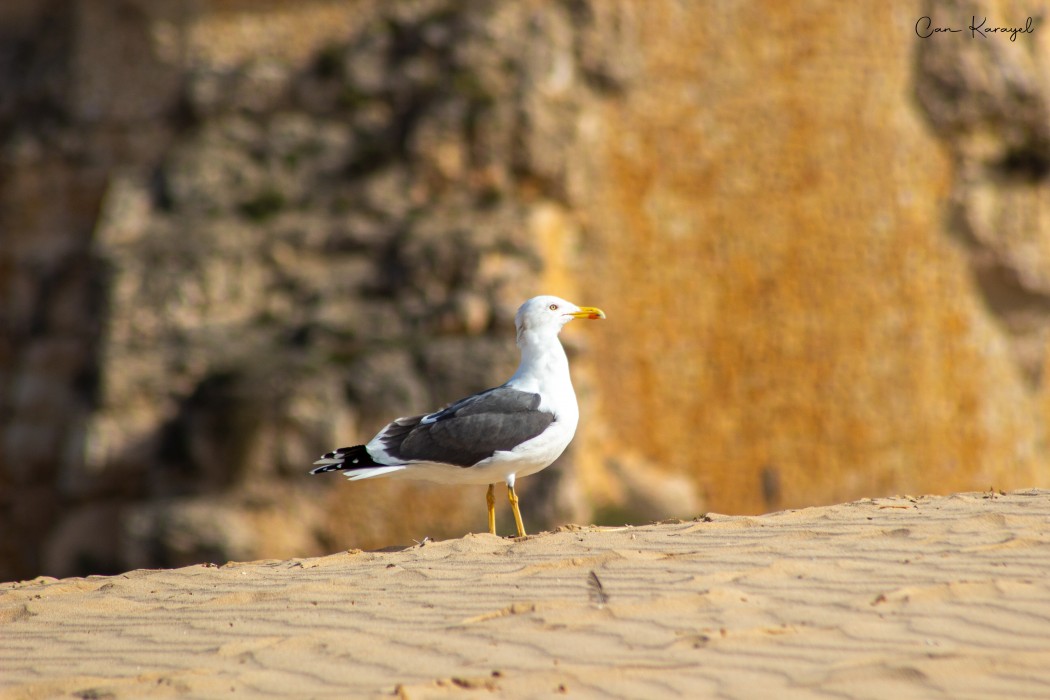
[368,473]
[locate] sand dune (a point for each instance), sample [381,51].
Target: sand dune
[895,597]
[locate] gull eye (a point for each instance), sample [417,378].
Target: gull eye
[553,307]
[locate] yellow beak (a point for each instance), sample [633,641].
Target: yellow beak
[592,312]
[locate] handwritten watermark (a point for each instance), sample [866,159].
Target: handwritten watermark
[925,28]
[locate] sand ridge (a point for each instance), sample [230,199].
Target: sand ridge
[891,597]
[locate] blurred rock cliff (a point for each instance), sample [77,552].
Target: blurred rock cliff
[237,233]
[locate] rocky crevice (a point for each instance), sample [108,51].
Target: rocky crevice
[989,103]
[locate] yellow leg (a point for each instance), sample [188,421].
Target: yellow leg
[490,498]
[513,497]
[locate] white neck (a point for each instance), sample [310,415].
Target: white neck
[544,369]
[544,366]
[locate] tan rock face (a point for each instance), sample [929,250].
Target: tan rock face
[237,234]
[797,323]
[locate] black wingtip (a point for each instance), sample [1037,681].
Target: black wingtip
[344,459]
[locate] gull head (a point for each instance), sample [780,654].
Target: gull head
[548,314]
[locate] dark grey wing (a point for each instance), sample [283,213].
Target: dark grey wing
[469,430]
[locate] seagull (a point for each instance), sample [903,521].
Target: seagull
[510,431]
